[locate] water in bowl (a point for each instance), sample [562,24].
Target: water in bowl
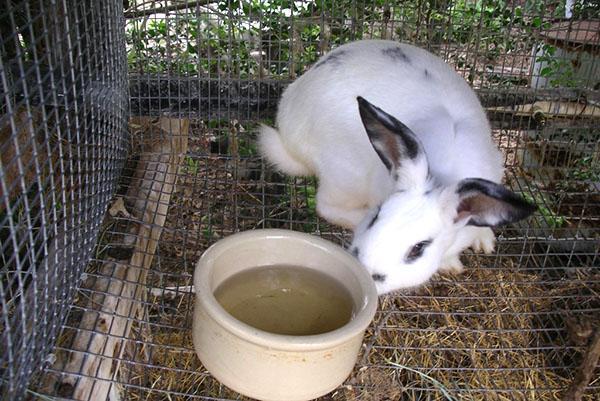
[287,300]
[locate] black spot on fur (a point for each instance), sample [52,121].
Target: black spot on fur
[334,59]
[374,219]
[378,277]
[397,54]
[355,251]
[426,73]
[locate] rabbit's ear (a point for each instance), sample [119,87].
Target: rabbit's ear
[485,203]
[397,146]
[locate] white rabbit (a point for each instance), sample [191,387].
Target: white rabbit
[416,192]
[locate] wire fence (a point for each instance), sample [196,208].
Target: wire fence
[201,76]
[63,140]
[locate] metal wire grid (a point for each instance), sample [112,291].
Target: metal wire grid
[63,108]
[499,331]
[518,297]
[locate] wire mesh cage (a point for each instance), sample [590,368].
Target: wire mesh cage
[63,140]
[201,76]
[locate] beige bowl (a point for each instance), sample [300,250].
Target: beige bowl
[271,366]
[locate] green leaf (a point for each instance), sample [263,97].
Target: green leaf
[518,11]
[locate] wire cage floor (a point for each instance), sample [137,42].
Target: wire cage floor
[502,330]
[202,75]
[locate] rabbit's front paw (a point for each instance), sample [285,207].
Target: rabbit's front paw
[484,240]
[452,264]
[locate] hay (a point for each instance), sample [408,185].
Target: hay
[491,339]
[481,336]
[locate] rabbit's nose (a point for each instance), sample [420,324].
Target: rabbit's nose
[378,277]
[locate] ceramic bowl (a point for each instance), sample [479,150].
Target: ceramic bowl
[268,366]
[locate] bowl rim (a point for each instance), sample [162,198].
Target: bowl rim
[361,320]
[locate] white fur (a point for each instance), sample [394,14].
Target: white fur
[270,144]
[383,247]
[320,133]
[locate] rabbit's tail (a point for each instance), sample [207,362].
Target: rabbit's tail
[273,149]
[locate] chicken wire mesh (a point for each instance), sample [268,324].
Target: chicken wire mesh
[204,74]
[63,132]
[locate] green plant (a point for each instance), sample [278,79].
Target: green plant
[310,192]
[248,148]
[539,10]
[207,231]
[231,38]
[586,9]
[559,71]
[545,205]
[192,166]
[586,168]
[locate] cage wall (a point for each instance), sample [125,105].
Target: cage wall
[63,142]
[203,75]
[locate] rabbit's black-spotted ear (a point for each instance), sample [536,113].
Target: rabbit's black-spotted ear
[393,141]
[485,203]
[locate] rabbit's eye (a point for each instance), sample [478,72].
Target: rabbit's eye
[417,250]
